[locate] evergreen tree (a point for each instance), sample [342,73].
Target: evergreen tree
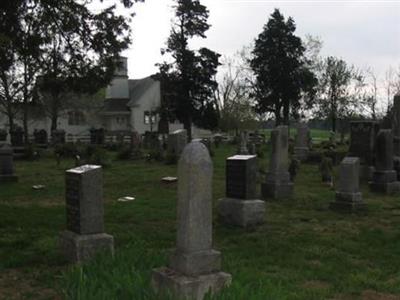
[189,82]
[283,77]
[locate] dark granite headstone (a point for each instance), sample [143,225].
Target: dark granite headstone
[241,171]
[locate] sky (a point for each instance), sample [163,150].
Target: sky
[363,33]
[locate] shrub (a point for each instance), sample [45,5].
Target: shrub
[124,153]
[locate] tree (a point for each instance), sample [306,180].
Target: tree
[70,47]
[282,75]
[189,78]
[339,86]
[233,92]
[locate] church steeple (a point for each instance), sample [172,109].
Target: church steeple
[119,88]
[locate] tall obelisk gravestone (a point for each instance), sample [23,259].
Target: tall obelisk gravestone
[241,206]
[85,236]
[194,267]
[278,184]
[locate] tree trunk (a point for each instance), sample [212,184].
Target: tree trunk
[25,123]
[286,114]
[54,119]
[11,122]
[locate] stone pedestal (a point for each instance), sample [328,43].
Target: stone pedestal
[188,287]
[85,235]
[7,165]
[82,247]
[385,182]
[244,213]
[277,184]
[194,267]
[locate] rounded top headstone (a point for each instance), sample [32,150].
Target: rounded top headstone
[195,153]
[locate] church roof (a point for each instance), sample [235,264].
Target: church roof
[137,88]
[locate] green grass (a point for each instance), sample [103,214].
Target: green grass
[303,251]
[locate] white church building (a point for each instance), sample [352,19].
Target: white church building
[129,105]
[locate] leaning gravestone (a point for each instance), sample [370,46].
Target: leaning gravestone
[302,142]
[7,165]
[348,196]
[362,145]
[241,206]
[384,179]
[194,267]
[85,236]
[278,184]
[177,141]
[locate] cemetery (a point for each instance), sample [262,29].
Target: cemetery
[266,172]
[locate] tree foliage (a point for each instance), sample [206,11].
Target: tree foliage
[283,77]
[188,81]
[67,45]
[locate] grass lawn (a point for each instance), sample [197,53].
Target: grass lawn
[303,251]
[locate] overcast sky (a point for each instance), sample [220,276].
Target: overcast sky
[364,33]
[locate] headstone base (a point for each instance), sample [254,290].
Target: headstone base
[301,153]
[348,202]
[187,287]
[277,190]
[196,263]
[78,248]
[389,188]
[366,172]
[240,212]
[8,178]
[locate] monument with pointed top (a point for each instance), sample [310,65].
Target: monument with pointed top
[194,267]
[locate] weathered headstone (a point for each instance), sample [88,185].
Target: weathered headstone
[17,137]
[241,206]
[302,142]
[85,236]
[348,196]
[177,141]
[58,136]
[194,267]
[7,165]
[243,144]
[362,145]
[384,178]
[278,184]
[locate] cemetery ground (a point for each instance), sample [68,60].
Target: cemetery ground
[303,251]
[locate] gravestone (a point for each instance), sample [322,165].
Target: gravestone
[384,178]
[7,164]
[194,267]
[17,137]
[326,169]
[243,144]
[348,197]
[40,137]
[177,141]
[84,236]
[241,206]
[396,125]
[302,142]
[362,145]
[277,184]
